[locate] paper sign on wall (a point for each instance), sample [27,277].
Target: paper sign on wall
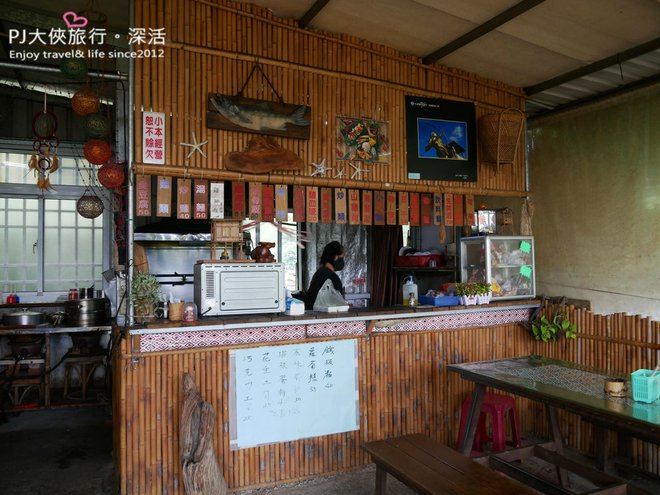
[437,208]
[379,207]
[414,209]
[340,205]
[354,207]
[255,201]
[427,208]
[298,390]
[200,199]
[448,217]
[143,196]
[367,207]
[469,209]
[217,200]
[164,197]
[403,208]
[267,203]
[313,204]
[183,199]
[153,137]
[238,200]
[298,203]
[458,210]
[281,202]
[326,205]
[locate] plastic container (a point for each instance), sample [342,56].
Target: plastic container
[439,300]
[419,260]
[409,289]
[645,388]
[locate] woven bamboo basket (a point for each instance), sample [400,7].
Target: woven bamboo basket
[499,135]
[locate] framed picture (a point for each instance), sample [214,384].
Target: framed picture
[441,138]
[362,139]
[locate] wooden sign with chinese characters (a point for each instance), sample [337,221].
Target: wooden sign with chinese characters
[458,210]
[298,203]
[340,205]
[281,202]
[390,203]
[200,199]
[153,137]
[448,217]
[217,200]
[164,197]
[255,201]
[267,203]
[469,209]
[437,208]
[379,207]
[238,200]
[313,204]
[354,207]
[183,199]
[404,199]
[367,207]
[414,209]
[143,196]
[427,208]
[326,205]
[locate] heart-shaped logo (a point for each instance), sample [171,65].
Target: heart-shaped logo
[73,20]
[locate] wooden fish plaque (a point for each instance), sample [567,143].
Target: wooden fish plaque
[183,198]
[200,199]
[427,200]
[458,210]
[379,207]
[143,196]
[354,207]
[313,204]
[298,203]
[367,207]
[340,205]
[255,201]
[164,197]
[437,208]
[326,205]
[281,202]
[267,203]
[403,208]
[414,209]
[390,202]
[235,113]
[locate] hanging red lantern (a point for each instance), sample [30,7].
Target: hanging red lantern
[97,151]
[111,175]
[85,101]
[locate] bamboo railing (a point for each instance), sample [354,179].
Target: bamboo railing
[211,48]
[404,388]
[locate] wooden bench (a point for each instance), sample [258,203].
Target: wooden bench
[431,468]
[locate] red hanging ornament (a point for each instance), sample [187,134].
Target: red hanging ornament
[85,101]
[97,151]
[111,175]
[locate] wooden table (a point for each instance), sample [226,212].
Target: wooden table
[563,385]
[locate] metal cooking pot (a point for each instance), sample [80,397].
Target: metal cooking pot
[23,317]
[87,312]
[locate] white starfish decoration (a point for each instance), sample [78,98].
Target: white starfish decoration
[358,170]
[340,173]
[195,146]
[320,168]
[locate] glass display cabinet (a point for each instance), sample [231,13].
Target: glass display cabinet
[507,262]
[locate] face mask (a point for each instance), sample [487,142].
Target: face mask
[338,264]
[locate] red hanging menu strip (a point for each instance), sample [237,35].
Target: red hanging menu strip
[414,209]
[326,205]
[448,216]
[256,193]
[281,202]
[298,203]
[143,196]
[404,199]
[469,209]
[379,207]
[390,201]
[313,204]
[201,199]
[164,197]
[238,200]
[340,205]
[183,198]
[367,207]
[458,210]
[354,207]
[267,203]
[437,208]
[427,208]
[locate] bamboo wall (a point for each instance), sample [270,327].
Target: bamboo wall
[212,46]
[404,388]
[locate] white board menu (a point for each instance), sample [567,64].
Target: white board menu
[288,392]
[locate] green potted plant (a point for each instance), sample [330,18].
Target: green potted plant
[467,294]
[552,329]
[484,293]
[145,291]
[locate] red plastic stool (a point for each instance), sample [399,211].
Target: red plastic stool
[497,406]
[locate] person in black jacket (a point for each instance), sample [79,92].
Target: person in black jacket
[332,260]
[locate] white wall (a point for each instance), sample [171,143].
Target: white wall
[595,182]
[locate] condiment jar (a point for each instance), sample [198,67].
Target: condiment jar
[73,295]
[189,311]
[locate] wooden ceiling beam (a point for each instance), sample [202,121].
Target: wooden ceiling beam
[311,13]
[485,28]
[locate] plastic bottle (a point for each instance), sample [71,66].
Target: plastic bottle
[409,288]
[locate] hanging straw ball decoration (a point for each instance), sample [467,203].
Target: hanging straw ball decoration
[85,101]
[97,125]
[111,175]
[89,205]
[74,68]
[97,151]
